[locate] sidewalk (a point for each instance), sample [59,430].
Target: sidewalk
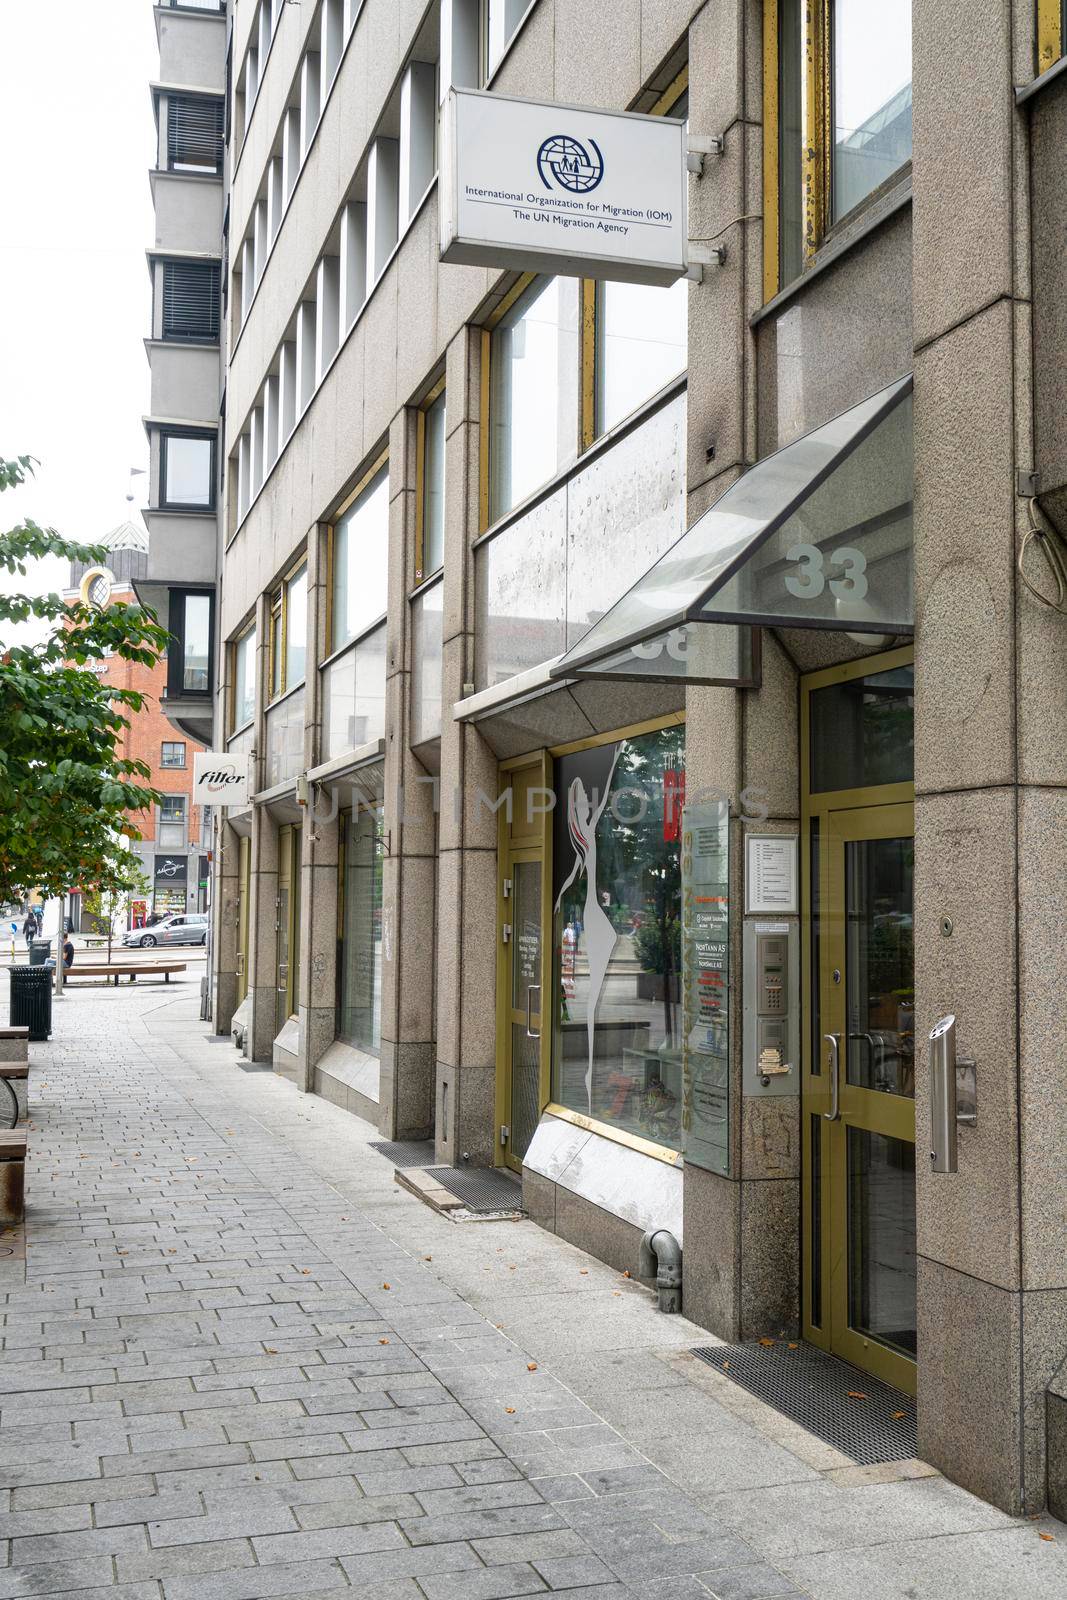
[244,1363]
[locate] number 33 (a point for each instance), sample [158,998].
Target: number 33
[810,581]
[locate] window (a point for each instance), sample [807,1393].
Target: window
[171,834]
[244,679]
[191,301]
[190,657]
[194,134]
[288,632]
[844,118]
[533,374]
[172,754]
[641,344]
[430,551]
[1051,32]
[359,943]
[360,561]
[617,938]
[187,471]
[502,18]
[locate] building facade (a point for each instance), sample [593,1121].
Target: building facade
[173,861]
[655,696]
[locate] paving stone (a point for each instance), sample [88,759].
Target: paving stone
[55,1577]
[306,1578]
[569,1572]
[498,1583]
[228,1555]
[344,1541]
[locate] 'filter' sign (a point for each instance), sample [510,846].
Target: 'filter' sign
[550,188]
[220,779]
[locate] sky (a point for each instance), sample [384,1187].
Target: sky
[78,137]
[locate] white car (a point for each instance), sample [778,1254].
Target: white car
[171,930]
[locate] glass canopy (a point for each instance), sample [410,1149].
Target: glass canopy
[818,535]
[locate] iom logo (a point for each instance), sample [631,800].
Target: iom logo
[570,164]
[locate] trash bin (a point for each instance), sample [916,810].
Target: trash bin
[40,950]
[31,1001]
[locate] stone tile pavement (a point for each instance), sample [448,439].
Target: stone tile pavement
[240,1362]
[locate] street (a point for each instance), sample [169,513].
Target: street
[243,1362]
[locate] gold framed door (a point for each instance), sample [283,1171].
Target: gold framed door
[244,870]
[287,926]
[524,959]
[859,1088]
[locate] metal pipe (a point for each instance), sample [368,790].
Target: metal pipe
[661,1258]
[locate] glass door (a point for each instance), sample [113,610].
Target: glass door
[859,1095]
[524,961]
[283,988]
[244,868]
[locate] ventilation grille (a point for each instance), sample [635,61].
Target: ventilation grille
[485,1190]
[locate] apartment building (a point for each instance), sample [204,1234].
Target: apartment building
[656,695]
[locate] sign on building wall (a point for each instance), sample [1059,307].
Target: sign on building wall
[171,871]
[220,779]
[706,985]
[551,188]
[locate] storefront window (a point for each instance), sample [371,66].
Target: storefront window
[617,1053]
[359,946]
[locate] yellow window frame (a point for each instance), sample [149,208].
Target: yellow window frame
[231,696]
[588,301]
[369,473]
[425,405]
[1049,34]
[277,643]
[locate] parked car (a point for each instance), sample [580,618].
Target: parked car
[170,930]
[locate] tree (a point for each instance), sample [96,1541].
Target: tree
[66,793]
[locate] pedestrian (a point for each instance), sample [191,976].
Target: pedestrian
[29,928]
[68,953]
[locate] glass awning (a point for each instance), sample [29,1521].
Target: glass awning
[818,535]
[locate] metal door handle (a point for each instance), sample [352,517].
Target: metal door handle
[530,987]
[834,1041]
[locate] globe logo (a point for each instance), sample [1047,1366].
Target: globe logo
[570,164]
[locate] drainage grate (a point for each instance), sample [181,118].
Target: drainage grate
[482,1189]
[255,1066]
[405,1152]
[860,1416]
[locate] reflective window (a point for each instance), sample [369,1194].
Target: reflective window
[871,95]
[361,562]
[502,17]
[172,754]
[432,554]
[171,832]
[187,471]
[296,626]
[533,392]
[359,946]
[641,345]
[863,731]
[196,644]
[617,1048]
[244,679]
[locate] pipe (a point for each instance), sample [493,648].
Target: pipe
[661,1258]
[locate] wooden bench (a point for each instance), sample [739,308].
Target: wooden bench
[14,1044]
[81,969]
[12,1176]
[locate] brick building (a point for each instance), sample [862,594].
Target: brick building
[169,846]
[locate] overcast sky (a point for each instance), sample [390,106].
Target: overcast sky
[77,136]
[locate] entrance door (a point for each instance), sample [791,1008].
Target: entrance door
[522,1042]
[244,868]
[859,1096]
[287,925]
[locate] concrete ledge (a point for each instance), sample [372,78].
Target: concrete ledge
[286,1052]
[350,1079]
[427,1189]
[624,1183]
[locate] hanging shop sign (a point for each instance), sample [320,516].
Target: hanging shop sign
[171,870]
[554,188]
[706,985]
[220,779]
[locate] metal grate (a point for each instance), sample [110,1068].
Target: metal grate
[482,1189]
[859,1415]
[405,1152]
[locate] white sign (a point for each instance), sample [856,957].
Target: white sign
[552,188]
[220,779]
[771,874]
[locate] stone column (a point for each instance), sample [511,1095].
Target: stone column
[466,890]
[991,869]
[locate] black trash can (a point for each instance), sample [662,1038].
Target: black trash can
[31,1001]
[40,950]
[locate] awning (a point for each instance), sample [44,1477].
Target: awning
[818,535]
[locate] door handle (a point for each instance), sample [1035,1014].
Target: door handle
[834,1041]
[530,1034]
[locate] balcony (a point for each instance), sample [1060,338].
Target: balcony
[192,45]
[188,208]
[556,565]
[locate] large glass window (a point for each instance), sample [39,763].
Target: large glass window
[361,562]
[187,470]
[502,17]
[641,345]
[172,822]
[244,679]
[431,554]
[871,88]
[617,942]
[196,644]
[296,626]
[359,945]
[533,365]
